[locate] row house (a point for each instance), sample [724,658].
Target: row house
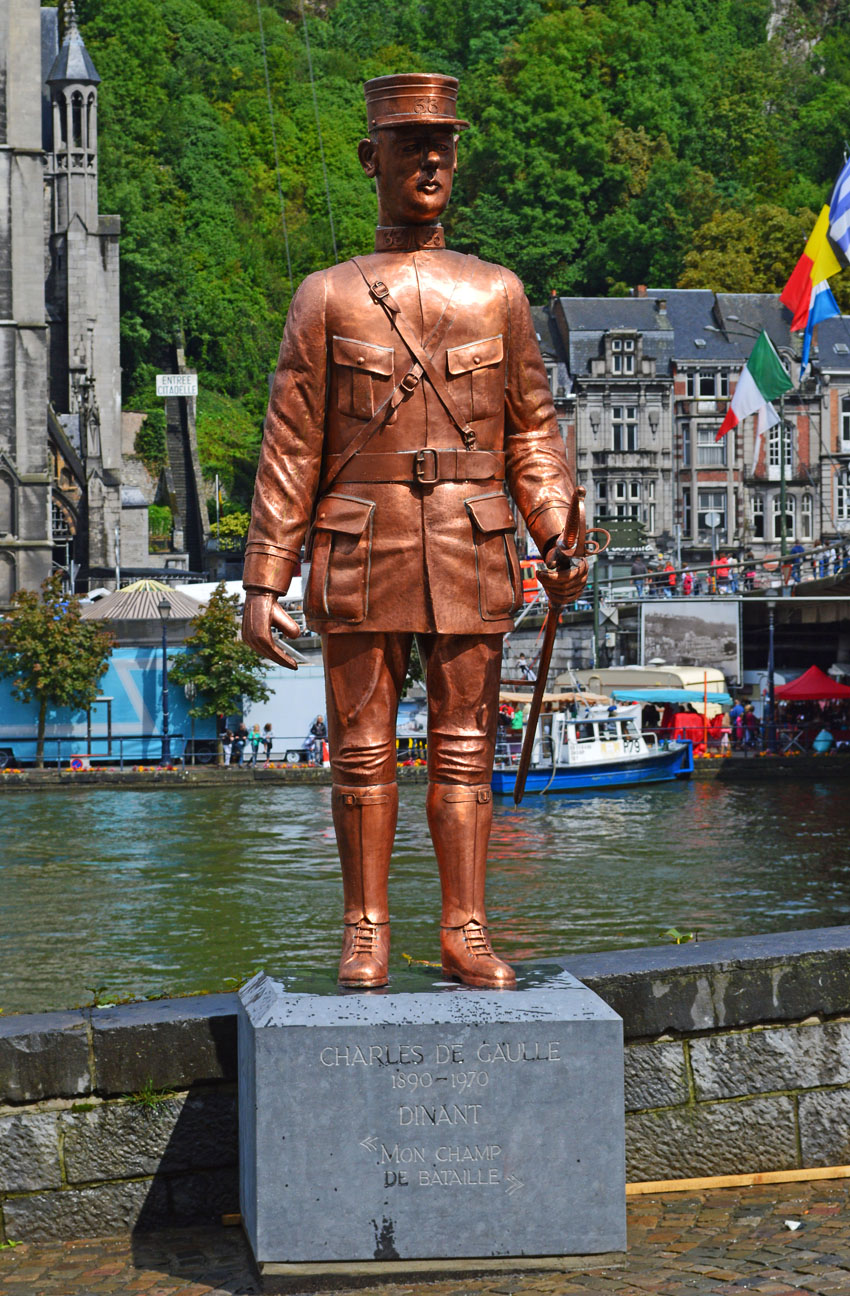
[641,386]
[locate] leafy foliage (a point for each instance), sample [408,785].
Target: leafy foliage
[160,521]
[612,142]
[231,530]
[222,668]
[150,441]
[55,658]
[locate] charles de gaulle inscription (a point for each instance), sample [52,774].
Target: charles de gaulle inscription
[441,1089]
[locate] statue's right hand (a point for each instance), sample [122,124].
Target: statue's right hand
[263,614]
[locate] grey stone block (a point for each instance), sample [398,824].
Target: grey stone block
[442,1123]
[825,1128]
[87,1212]
[29,1152]
[787,1057]
[43,1055]
[712,1139]
[203,1197]
[656,1076]
[784,976]
[173,1043]
[119,1140]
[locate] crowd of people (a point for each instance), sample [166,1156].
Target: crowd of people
[658,577]
[241,746]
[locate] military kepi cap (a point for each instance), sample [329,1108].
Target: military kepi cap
[411,98]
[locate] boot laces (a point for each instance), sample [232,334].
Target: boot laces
[365,936]
[477,940]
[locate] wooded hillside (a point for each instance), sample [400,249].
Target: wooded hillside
[656,141]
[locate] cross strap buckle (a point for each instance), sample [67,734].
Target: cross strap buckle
[379,290]
[410,382]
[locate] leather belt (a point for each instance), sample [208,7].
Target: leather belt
[424,467]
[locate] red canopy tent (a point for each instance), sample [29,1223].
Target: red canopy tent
[812,686]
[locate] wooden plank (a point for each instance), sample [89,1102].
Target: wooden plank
[737,1180]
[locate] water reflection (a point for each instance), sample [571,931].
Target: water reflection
[141,893]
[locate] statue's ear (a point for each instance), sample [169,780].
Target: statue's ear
[367,152]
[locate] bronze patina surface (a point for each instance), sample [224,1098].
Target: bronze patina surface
[409,393]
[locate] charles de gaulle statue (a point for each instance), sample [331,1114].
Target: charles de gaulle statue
[409,394]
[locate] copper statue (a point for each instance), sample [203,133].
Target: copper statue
[408,393]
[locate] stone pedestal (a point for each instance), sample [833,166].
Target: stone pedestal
[430,1123]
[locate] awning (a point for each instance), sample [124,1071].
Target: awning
[812,686]
[670,695]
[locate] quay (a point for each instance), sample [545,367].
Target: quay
[737,767]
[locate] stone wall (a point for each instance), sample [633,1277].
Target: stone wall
[737,1059]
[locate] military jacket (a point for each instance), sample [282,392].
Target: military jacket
[416,533]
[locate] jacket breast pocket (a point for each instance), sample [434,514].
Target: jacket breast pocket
[476,378]
[364,375]
[496,562]
[338,588]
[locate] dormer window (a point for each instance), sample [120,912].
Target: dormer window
[623,355]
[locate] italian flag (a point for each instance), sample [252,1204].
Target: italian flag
[762,380]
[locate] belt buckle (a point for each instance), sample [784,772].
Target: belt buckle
[409,382]
[379,290]
[420,466]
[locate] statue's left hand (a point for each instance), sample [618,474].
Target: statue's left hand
[562,578]
[263,614]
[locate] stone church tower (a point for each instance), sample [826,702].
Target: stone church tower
[61,498]
[25,476]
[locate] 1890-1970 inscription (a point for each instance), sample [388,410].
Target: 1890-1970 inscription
[441,1091]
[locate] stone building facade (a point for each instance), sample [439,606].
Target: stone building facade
[62,500]
[642,384]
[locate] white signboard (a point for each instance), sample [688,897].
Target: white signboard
[177,384]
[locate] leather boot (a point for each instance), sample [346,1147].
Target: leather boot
[365,820]
[459,818]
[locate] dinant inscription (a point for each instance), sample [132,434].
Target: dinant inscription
[435,1071]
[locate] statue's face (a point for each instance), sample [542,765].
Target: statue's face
[414,167]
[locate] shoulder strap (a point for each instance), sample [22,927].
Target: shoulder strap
[408,383]
[380,293]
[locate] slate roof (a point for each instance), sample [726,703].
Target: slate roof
[73,62]
[700,327]
[590,318]
[139,602]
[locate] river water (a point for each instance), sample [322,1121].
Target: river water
[120,893]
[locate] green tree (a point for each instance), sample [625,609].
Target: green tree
[222,668]
[231,530]
[747,251]
[55,658]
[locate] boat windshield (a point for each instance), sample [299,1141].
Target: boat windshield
[610,729]
[585,731]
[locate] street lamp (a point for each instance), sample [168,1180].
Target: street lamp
[164,609]
[771,681]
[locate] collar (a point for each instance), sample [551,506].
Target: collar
[408,238]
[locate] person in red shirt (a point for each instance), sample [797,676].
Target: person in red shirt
[671,578]
[722,573]
[687,580]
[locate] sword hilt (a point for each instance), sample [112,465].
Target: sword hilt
[574,542]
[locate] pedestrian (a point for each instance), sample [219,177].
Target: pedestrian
[749,570]
[255,738]
[733,574]
[751,726]
[736,721]
[517,719]
[318,735]
[638,572]
[671,578]
[687,580]
[797,565]
[238,746]
[267,741]
[722,574]
[226,744]
[523,668]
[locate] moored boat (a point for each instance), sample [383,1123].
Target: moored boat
[582,744]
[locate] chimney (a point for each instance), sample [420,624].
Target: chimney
[639,290]
[553,297]
[661,306]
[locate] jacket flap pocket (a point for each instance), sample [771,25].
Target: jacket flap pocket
[475,355]
[491,513]
[364,355]
[343,513]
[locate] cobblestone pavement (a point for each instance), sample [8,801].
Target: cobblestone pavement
[719,1243]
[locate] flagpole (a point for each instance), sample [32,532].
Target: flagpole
[783,528]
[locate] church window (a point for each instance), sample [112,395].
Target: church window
[77,119]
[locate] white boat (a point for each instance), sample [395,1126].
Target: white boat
[583,744]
